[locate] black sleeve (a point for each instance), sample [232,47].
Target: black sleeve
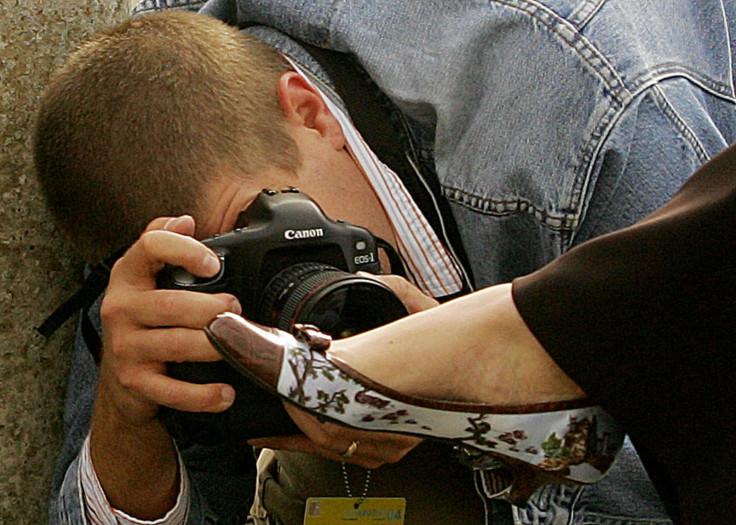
[643,320]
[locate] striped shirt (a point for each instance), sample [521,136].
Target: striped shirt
[427,261]
[429,265]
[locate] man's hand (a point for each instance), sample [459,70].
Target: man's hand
[143,329]
[413,298]
[331,441]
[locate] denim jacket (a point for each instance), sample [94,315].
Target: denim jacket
[545,124]
[548,123]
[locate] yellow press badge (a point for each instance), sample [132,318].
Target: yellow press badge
[323,511]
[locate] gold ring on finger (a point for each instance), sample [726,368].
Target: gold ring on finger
[350,451]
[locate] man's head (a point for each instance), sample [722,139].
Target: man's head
[143,116]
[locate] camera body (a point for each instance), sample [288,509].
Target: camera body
[287,263]
[279,231]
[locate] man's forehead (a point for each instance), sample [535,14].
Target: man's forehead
[231,193]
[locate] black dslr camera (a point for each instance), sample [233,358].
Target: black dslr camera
[287,263]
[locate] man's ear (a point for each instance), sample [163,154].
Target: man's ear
[303,105]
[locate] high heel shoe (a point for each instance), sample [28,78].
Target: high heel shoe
[527,445]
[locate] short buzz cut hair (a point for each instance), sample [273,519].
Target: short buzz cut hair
[138,120]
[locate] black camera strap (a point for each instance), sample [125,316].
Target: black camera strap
[92,288]
[94,284]
[397,265]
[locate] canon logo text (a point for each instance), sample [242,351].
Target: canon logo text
[304,234]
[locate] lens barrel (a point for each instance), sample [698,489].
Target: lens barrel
[337,302]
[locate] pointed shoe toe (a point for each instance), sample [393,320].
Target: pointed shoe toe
[561,442]
[255,351]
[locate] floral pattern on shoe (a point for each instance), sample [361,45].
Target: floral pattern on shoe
[578,443]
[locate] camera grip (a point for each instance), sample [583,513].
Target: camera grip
[255,413]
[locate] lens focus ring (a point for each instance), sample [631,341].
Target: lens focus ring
[288,288]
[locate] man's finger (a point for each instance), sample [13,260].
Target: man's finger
[330,440]
[299,443]
[303,445]
[413,298]
[162,308]
[172,345]
[181,395]
[146,257]
[184,224]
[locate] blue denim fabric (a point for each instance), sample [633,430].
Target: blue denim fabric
[66,505]
[222,478]
[547,123]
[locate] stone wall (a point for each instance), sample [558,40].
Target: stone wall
[37,268]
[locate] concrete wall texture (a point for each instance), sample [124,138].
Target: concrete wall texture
[37,268]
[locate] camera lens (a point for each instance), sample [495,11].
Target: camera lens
[337,302]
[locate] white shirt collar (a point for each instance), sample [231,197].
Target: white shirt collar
[427,261]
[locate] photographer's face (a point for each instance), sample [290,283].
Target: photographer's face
[326,172]
[230,193]
[336,184]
